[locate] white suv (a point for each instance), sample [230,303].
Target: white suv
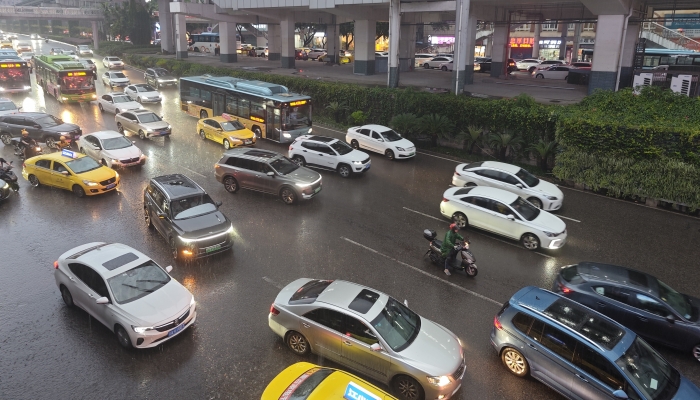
[328,153]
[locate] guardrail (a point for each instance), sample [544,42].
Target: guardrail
[50,11]
[678,37]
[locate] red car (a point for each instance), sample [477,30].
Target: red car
[300,54]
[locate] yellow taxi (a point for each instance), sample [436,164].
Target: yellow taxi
[71,171]
[345,57]
[226,130]
[321,383]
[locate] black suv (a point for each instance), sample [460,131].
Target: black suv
[637,300]
[159,77]
[186,217]
[41,127]
[485,65]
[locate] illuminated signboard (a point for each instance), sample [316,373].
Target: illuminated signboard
[442,40]
[356,392]
[521,42]
[69,154]
[550,43]
[257,119]
[297,103]
[77,74]
[10,65]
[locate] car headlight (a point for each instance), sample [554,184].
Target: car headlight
[142,329]
[287,135]
[89,183]
[115,160]
[192,302]
[400,149]
[311,130]
[439,381]
[149,130]
[160,80]
[550,234]
[357,162]
[7,185]
[551,198]
[170,127]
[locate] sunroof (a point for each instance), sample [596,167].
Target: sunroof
[120,261]
[364,301]
[323,139]
[260,153]
[585,322]
[638,278]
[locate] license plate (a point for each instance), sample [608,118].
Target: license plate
[177,329]
[367,167]
[213,248]
[411,154]
[318,189]
[111,185]
[247,142]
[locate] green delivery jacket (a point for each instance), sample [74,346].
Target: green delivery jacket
[449,242]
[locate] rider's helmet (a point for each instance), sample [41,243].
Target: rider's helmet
[62,138]
[454,227]
[25,133]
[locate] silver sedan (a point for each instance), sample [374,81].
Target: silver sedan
[372,333]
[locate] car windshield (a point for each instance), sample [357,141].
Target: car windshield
[121,99]
[341,147]
[655,378]
[230,126]
[192,206]
[115,143]
[7,105]
[82,164]
[529,179]
[113,59]
[284,166]
[69,52]
[160,72]
[117,75]
[48,121]
[676,300]
[525,209]
[138,282]
[83,47]
[28,54]
[144,88]
[391,136]
[397,325]
[146,118]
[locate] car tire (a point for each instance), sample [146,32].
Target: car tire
[123,337]
[257,131]
[231,184]
[299,160]
[515,362]
[426,66]
[297,343]
[535,202]
[117,111]
[531,69]
[100,107]
[540,76]
[530,241]
[202,134]
[390,155]
[120,128]
[460,219]
[33,180]
[355,145]
[82,151]
[104,162]
[288,195]
[142,135]
[227,144]
[443,68]
[50,142]
[173,249]
[407,388]
[203,114]
[566,78]
[344,170]
[78,191]
[696,352]
[147,218]
[6,138]
[66,296]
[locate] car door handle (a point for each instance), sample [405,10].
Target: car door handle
[601,304]
[71,278]
[642,318]
[320,154]
[304,151]
[345,342]
[305,325]
[532,346]
[91,296]
[582,378]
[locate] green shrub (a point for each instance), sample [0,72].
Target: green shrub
[358,117]
[406,124]
[437,126]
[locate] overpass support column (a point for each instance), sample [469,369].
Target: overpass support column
[394,43]
[165,19]
[627,70]
[608,48]
[227,49]
[499,50]
[407,45]
[465,36]
[180,36]
[365,36]
[287,40]
[274,43]
[95,36]
[333,40]
[536,45]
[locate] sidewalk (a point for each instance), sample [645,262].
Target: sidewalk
[542,90]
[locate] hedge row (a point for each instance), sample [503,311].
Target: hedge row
[119,49]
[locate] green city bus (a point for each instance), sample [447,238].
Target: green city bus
[267,109]
[65,79]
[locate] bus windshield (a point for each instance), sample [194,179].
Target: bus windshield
[297,117]
[13,75]
[73,84]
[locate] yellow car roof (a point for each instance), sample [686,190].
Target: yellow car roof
[339,385]
[217,119]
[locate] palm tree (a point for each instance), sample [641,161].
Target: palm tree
[437,127]
[543,150]
[336,108]
[470,137]
[505,143]
[406,124]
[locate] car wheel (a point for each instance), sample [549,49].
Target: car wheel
[82,151]
[566,78]
[531,69]
[297,343]
[120,128]
[202,134]
[142,135]
[117,111]
[299,160]
[104,162]
[100,107]
[696,352]
[6,138]
[355,145]
[515,362]
[227,145]
[407,388]
[288,195]
[530,241]
[460,219]
[147,218]
[535,202]
[203,114]
[426,66]
[344,170]
[231,184]
[78,191]
[66,296]
[444,68]
[257,132]
[34,181]
[539,76]
[123,337]
[390,155]
[50,142]
[173,249]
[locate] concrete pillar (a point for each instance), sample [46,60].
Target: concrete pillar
[536,45]
[407,42]
[287,40]
[499,52]
[333,40]
[365,34]
[608,46]
[394,42]
[627,70]
[488,45]
[564,34]
[465,36]
[165,19]
[95,35]
[180,36]
[227,42]
[261,41]
[274,42]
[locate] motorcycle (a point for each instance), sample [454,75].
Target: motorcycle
[47,40]
[19,151]
[9,177]
[468,262]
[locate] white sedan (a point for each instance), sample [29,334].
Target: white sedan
[112,149]
[116,103]
[380,139]
[71,54]
[115,79]
[446,66]
[112,62]
[421,58]
[126,291]
[553,72]
[512,178]
[435,62]
[529,64]
[143,93]
[503,213]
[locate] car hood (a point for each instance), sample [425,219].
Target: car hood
[98,175]
[240,134]
[304,175]
[161,306]
[127,105]
[404,143]
[686,390]
[549,222]
[119,80]
[155,125]
[549,189]
[127,152]
[436,351]
[203,225]
[62,128]
[166,78]
[147,94]
[357,155]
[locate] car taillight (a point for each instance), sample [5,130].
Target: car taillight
[457,174]
[497,323]
[444,200]
[273,310]
[290,147]
[55,264]
[216,166]
[563,288]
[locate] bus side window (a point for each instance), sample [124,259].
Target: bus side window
[232,105]
[194,92]
[244,108]
[256,109]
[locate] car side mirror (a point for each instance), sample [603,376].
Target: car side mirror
[671,319]
[519,185]
[620,394]
[511,217]
[218,203]
[169,269]
[376,347]
[66,173]
[271,174]
[405,302]
[102,300]
[161,215]
[38,126]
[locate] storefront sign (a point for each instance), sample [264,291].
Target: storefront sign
[442,39]
[550,43]
[521,42]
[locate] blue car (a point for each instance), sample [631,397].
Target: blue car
[580,353]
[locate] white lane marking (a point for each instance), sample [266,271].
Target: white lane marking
[496,239]
[498,303]
[273,283]
[194,172]
[571,219]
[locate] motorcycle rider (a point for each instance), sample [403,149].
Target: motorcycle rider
[4,162]
[27,144]
[448,247]
[62,144]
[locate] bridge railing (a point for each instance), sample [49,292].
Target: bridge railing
[50,11]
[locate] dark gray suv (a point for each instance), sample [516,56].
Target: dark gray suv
[268,172]
[42,127]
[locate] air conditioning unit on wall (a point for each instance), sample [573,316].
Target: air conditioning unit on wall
[681,84]
[643,79]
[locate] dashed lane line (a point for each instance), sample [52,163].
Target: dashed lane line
[194,172]
[273,283]
[475,294]
[425,215]
[570,219]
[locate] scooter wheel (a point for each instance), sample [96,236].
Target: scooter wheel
[471,270]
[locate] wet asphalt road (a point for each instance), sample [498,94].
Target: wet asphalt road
[367,230]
